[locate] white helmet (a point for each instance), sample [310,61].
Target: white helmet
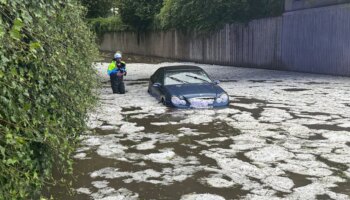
[118,56]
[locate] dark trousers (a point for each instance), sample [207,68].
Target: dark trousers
[117,84]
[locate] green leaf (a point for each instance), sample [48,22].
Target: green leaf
[34,45]
[4,59]
[15,32]
[17,24]
[9,136]
[2,31]
[13,71]
[2,151]
[11,161]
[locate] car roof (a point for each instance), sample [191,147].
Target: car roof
[180,68]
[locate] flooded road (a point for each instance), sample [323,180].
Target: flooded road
[284,136]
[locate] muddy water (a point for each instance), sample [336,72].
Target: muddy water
[278,139]
[83,168]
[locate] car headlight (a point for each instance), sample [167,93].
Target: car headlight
[223,98]
[177,101]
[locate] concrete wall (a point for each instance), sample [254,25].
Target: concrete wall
[256,44]
[313,40]
[317,40]
[291,5]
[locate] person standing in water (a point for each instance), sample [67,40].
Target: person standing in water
[116,72]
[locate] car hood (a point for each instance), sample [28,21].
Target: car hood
[194,90]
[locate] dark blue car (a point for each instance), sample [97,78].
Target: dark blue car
[186,87]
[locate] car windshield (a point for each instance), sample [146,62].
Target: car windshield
[186,77]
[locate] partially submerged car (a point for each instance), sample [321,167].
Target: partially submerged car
[186,87]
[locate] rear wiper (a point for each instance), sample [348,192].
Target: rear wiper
[196,77]
[176,79]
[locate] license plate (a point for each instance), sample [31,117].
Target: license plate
[199,104]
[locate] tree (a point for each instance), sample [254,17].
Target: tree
[206,15]
[139,14]
[202,15]
[101,8]
[265,8]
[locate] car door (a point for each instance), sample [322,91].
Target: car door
[156,90]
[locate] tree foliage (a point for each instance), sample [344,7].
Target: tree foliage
[46,88]
[212,14]
[110,24]
[139,14]
[100,8]
[204,15]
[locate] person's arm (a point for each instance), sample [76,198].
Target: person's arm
[111,68]
[124,68]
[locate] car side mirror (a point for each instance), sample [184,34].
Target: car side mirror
[216,82]
[157,85]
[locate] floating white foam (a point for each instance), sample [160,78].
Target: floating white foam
[111,150]
[80,156]
[164,157]
[279,183]
[219,182]
[146,145]
[100,184]
[84,191]
[338,158]
[91,141]
[130,128]
[274,115]
[107,127]
[201,197]
[189,132]
[112,194]
[269,154]
[159,123]
[298,169]
[337,136]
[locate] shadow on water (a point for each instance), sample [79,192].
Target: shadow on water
[295,89]
[317,137]
[136,83]
[323,197]
[342,188]
[299,180]
[326,127]
[265,81]
[256,112]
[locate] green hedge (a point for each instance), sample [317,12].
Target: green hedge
[47,85]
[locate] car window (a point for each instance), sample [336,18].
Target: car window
[155,76]
[160,78]
[186,77]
